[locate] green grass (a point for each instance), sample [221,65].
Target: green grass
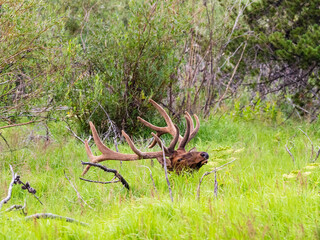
[255,200]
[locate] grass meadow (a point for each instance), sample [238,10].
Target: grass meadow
[264,194]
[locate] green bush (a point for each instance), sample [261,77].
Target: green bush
[283,53]
[131,53]
[27,42]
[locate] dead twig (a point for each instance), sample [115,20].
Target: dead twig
[166,170]
[75,135]
[115,172]
[215,178]
[154,185]
[93,181]
[215,184]
[8,197]
[114,129]
[288,150]
[231,79]
[312,150]
[315,159]
[78,194]
[53,216]
[18,207]
[26,186]
[5,140]
[20,124]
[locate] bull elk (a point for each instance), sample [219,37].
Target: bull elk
[176,160]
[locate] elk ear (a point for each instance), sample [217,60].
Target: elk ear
[194,149]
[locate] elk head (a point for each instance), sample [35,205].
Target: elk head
[176,160]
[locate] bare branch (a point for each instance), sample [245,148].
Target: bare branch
[115,172]
[19,124]
[154,185]
[312,151]
[288,150]
[6,199]
[5,140]
[4,82]
[93,181]
[232,76]
[53,216]
[26,186]
[215,183]
[166,170]
[17,207]
[75,135]
[315,159]
[78,194]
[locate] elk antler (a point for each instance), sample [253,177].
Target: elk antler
[108,154]
[170,128]
[177,159]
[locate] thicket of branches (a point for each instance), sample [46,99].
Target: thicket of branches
[98,58]
[283,53]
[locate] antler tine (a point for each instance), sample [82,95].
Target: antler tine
[174,140]
[163,114]
[173,143]
[193,131]
[186,134]
[170,128]
[90,156]
[158,140]
[131,144]
[144,155]
[102,148]
[108,154]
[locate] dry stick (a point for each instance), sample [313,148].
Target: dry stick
[93,181]
[54,216]
[231,79]
[207,173]
[5,140]
[27,186]
[288,150]
[4,82]
[109,120]
[19,124]
[78,194]
[311,157]
[17,207]
[215,184]
[166,170]
[115,172]
[154,185]
[113,129]
[74,134]
[6,199]
[315,159]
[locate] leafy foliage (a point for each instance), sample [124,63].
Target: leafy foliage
[130,52]
[26,59]
[284,51]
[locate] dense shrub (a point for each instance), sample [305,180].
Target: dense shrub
[284,52]
[27,59]
[131,51]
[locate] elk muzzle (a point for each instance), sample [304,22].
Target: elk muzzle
[189,160]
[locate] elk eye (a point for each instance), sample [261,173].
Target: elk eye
[180,159]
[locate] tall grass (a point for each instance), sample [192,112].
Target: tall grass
[255,200]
